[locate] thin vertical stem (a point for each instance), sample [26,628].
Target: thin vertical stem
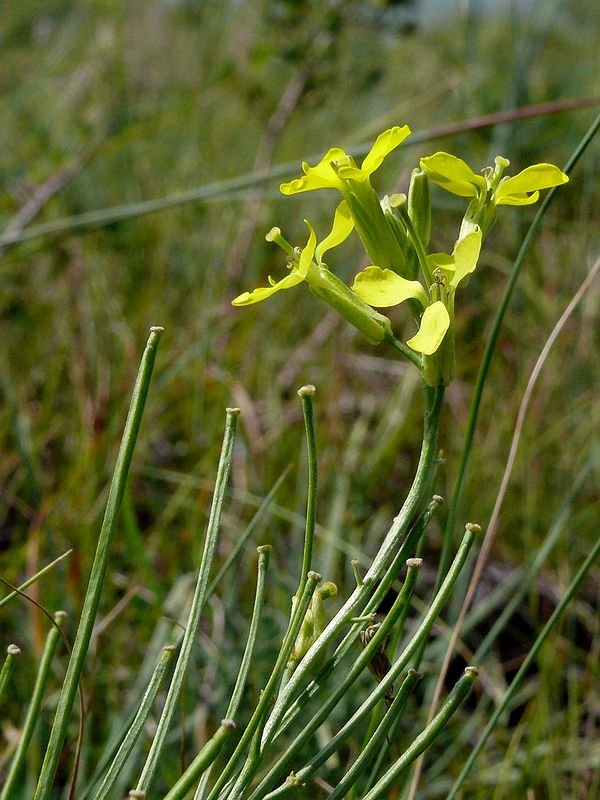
[306,395]
[455,699]
[107,785]
[94,588]
[198,602]
[33,711]
[527,662]
[400,524]
[12,651]
[200,764]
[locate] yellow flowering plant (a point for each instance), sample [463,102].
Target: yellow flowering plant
[395,233]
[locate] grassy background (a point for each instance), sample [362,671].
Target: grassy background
[122,102]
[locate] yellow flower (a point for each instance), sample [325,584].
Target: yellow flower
[489,189]
[454,175]
[360,206]
[383,288]
[321,281]
[298,271]
[337,167]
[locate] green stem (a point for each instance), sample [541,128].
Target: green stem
[418,245]
[200,764]
[203,760]
[11,595]
[376,745]
[455,699]
[359,666]
[455,504]
[306,394]
[383,687]
[12,651]
[124,751]
[383,586]
[527,662]
[266,697]
[250,528]
[405,350]
[310,662]
[33,711]
[198,602]
[96,581]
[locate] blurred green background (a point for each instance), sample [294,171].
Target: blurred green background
[106,105]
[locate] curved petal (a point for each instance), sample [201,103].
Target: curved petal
[340,230]
[323,167]
[307,253]
[384,144]
[321,176]
[453,174]
[434,324]
[383,288]
[466,255]
[518,199]
[350,173]
[538,176]
[255,296]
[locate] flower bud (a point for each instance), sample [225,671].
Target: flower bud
[419,204]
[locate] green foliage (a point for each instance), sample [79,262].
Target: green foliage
[109,105]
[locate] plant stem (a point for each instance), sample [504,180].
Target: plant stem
[306,394]
[257,718]
[241,540]
[405,350]
[96,581]
[33,711]
[384,686]
[400,524]
[12,651]
[376,743]
[137,725]
[200,764]
[455,699]
[198,601]
[40,574]
[527,662]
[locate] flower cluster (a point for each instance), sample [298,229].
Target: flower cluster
[395,233]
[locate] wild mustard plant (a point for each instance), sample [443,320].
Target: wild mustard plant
[319,660]
[395,233]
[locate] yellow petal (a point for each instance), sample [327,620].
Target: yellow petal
[466,255]
[513,191]
[518,199]
[453,174]
[383,288]
[321,176]
[434,324]
[384,144]
[340,230]
[308,252]
[255,296]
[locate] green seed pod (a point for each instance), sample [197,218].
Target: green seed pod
[419,204]
[330,288]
